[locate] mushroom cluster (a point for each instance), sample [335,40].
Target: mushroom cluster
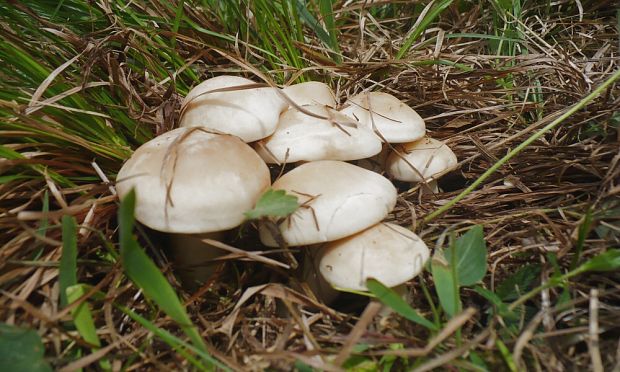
[201,178]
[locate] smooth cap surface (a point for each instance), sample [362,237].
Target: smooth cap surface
[301,137]
[397,122]
[338,199]
[310,93]
[212,180]
[387,252]
[421,160]
[250,114]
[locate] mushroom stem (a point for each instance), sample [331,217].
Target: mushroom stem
[192,259]
[311,275]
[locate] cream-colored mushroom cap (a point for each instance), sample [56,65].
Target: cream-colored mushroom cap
[421,160]
[190,181]
[310,93]
[387,252]
[397,122]
[338,199]
[301,137]
[250,114]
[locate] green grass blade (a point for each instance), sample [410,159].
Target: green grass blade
[67,275]
[82,316]
[512,153]
[422,26]
[391,299]
[176,343]
[143,272]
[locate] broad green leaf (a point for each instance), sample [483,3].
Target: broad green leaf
[502,308]
[471,256]
[145,274]
[68,261]
[391,299]
[518,283]
[446,283]
[273,203]
[82,317]
[608,261]
[21,349]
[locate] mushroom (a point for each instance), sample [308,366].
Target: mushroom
[337,199]
[310,93]
[191,181]
[301,137]
[227,104]
[387,252]
[394,120]
[421,161]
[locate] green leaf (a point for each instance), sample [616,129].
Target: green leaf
[446,283]
[471,256]
[145,274]
[518,283]
[391,299]
[273,203]
[21,349]
[68,261]
[82,317]
[608,261]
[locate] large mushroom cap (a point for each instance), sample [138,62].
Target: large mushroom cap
[338,199]
[310,93]
[421,160]
[301,137]
[387,252]
[191,181]
[396,121]
[250,114]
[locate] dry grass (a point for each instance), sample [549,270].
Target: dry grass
[481,103]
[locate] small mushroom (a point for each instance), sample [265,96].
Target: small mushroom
[310,93]
[301,137]
[387,252]
[394,120]
[423,160]
[337,199]
[225,104]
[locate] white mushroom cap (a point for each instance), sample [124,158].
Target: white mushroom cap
[310,93]
[396,121]
[210,180]
[301,137]
[250,114]
[421,160]
[387,252]
[338,199]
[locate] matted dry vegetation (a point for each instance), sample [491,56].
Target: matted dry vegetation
[481,97]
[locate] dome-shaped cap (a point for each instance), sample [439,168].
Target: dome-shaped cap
[338,199]
[387,252]
[396,121]
[191,181]
[310,93]
[421,160]
[250,114]
[301,137]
